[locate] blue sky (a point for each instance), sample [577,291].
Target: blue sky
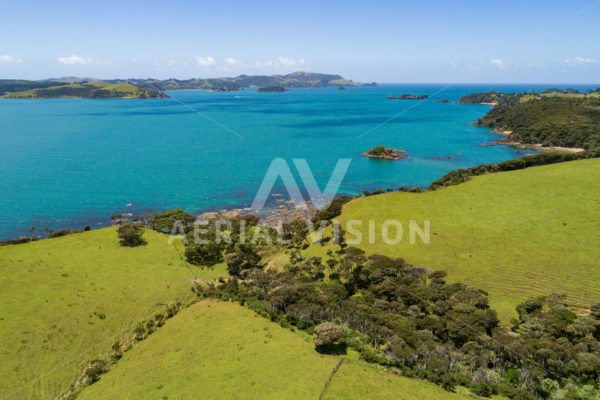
[551,41]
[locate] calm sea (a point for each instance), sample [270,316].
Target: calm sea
[67,163]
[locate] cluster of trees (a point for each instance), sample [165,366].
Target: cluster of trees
[555,121]
[236,241]
[409,318]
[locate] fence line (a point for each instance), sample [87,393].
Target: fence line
[333,371]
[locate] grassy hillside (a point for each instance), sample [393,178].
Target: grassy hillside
[515,234]
[218,350]
[92,90]
[68,299]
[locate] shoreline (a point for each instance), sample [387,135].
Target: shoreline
[531,146]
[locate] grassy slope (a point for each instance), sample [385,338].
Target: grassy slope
[515,234]
[218,350]
[51,290]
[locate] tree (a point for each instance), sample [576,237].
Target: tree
[327,334]
[165,221]
[207,254]
[295,232]
[243,257]
[130,234]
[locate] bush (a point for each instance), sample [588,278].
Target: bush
[130,234]
[63,232]
[94,369]
[244,257]
[327,333]
[165,221]
[204,254]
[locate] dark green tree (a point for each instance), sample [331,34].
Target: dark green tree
[130,234]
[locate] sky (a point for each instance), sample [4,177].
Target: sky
[460,41]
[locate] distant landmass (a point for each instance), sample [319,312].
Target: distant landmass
[552,118]
[154,88]
[21,89]
[293,80]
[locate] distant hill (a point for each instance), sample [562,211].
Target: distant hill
[72,86]
[18,89]
[293,80]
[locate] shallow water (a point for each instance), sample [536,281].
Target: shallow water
[74,162]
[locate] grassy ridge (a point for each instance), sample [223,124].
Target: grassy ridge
[515,234]
[218,350]
[68,299]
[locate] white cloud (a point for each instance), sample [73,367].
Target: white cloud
[205,61]
[6,59]
[497,63]
[266,63]
[580,61]
[289,62]
[231,61]
[172,63]
[74,59]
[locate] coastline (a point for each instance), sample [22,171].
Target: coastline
[531,146]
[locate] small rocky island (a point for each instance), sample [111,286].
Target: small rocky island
[386,153]
[272,89]
[409,97]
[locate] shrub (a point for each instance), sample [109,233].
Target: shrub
[327,333]
[94,369]
[207,254]
[130,234]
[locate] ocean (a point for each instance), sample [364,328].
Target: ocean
[68,163]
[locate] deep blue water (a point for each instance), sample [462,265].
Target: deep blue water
[74,162]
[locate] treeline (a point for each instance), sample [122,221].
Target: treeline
[410,319]
[552,121]
[459,176]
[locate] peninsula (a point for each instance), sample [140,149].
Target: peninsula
[551,120]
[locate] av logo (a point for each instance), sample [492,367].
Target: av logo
[280,168]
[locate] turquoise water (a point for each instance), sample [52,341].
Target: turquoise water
[74,162]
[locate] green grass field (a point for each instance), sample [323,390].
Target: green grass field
[219,350]
[515,234]
[69,299]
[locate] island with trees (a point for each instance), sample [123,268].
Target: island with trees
[409,97]
[273,89]
[386,153]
